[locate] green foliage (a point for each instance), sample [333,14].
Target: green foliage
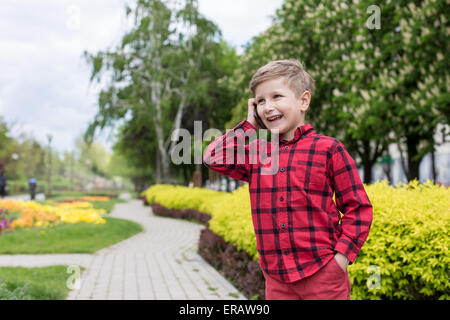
[44,283]
[232,220]
[68,238]
[166,73]
[408,242]
[179,197]
[93,156]
[6,142]
[374,86]
[24,157]
[17,293]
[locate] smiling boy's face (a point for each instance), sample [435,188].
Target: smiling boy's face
[280,108]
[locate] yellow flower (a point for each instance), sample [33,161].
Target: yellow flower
[39,215]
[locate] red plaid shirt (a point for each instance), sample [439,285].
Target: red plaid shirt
[297,224]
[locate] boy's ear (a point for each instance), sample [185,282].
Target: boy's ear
[305,99]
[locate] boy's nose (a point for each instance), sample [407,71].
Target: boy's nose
[268,107]
[268,112]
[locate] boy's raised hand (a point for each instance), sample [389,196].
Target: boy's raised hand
[251,113]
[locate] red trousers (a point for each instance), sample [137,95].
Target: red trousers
[329,283]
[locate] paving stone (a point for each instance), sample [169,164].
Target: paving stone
[159,263]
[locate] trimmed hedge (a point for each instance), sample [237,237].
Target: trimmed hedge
[237,266]
[177,197]
[406,255]
[186,214]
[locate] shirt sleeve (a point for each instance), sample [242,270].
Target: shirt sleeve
[228,154]
[351,200]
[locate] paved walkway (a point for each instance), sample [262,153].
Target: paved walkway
[27,197]
[159,263]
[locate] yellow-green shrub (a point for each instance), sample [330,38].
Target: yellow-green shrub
[181,197]
[408,242]
[232,220]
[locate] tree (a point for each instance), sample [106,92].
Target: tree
[7,144]
[164,69]
[93,157]
[374,86]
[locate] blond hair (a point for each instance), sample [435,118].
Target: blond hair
[292,70]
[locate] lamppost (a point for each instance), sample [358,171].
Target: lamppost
[49,169]
[15,157]
[72,155]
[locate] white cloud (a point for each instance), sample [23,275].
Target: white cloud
[44,81]
[240,20]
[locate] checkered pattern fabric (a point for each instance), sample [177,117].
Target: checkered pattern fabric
[297,224]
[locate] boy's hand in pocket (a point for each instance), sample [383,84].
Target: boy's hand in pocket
[341,260]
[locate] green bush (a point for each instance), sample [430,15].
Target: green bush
[39,283]
[407,245]
[180,197]
[8,292]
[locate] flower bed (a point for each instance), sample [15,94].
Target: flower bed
[5,220]
[85,199]
[34,214]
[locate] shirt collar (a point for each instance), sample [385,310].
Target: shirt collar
[300,132]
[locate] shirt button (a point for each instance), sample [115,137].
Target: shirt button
[281,198]
[287,147]
[282,225]
[286,251]
[282,169]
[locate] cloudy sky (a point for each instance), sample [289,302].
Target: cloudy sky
[44,81]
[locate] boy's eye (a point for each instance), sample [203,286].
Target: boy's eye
[260,100]
[277,96]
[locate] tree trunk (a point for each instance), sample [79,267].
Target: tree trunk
[367,174]
[198,176]
[369,157]
[402,159]
[156,98]
[185,176]
[158,167]
[433,162]
[413,165]
[387,168]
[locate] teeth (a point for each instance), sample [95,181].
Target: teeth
[274,118]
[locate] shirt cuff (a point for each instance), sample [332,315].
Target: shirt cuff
[348,247]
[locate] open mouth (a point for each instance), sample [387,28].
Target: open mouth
[274,118]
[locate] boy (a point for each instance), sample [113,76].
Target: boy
[304,248]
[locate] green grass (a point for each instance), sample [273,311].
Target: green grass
[107,205]
[45,283]
[67,238]
[76,194]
